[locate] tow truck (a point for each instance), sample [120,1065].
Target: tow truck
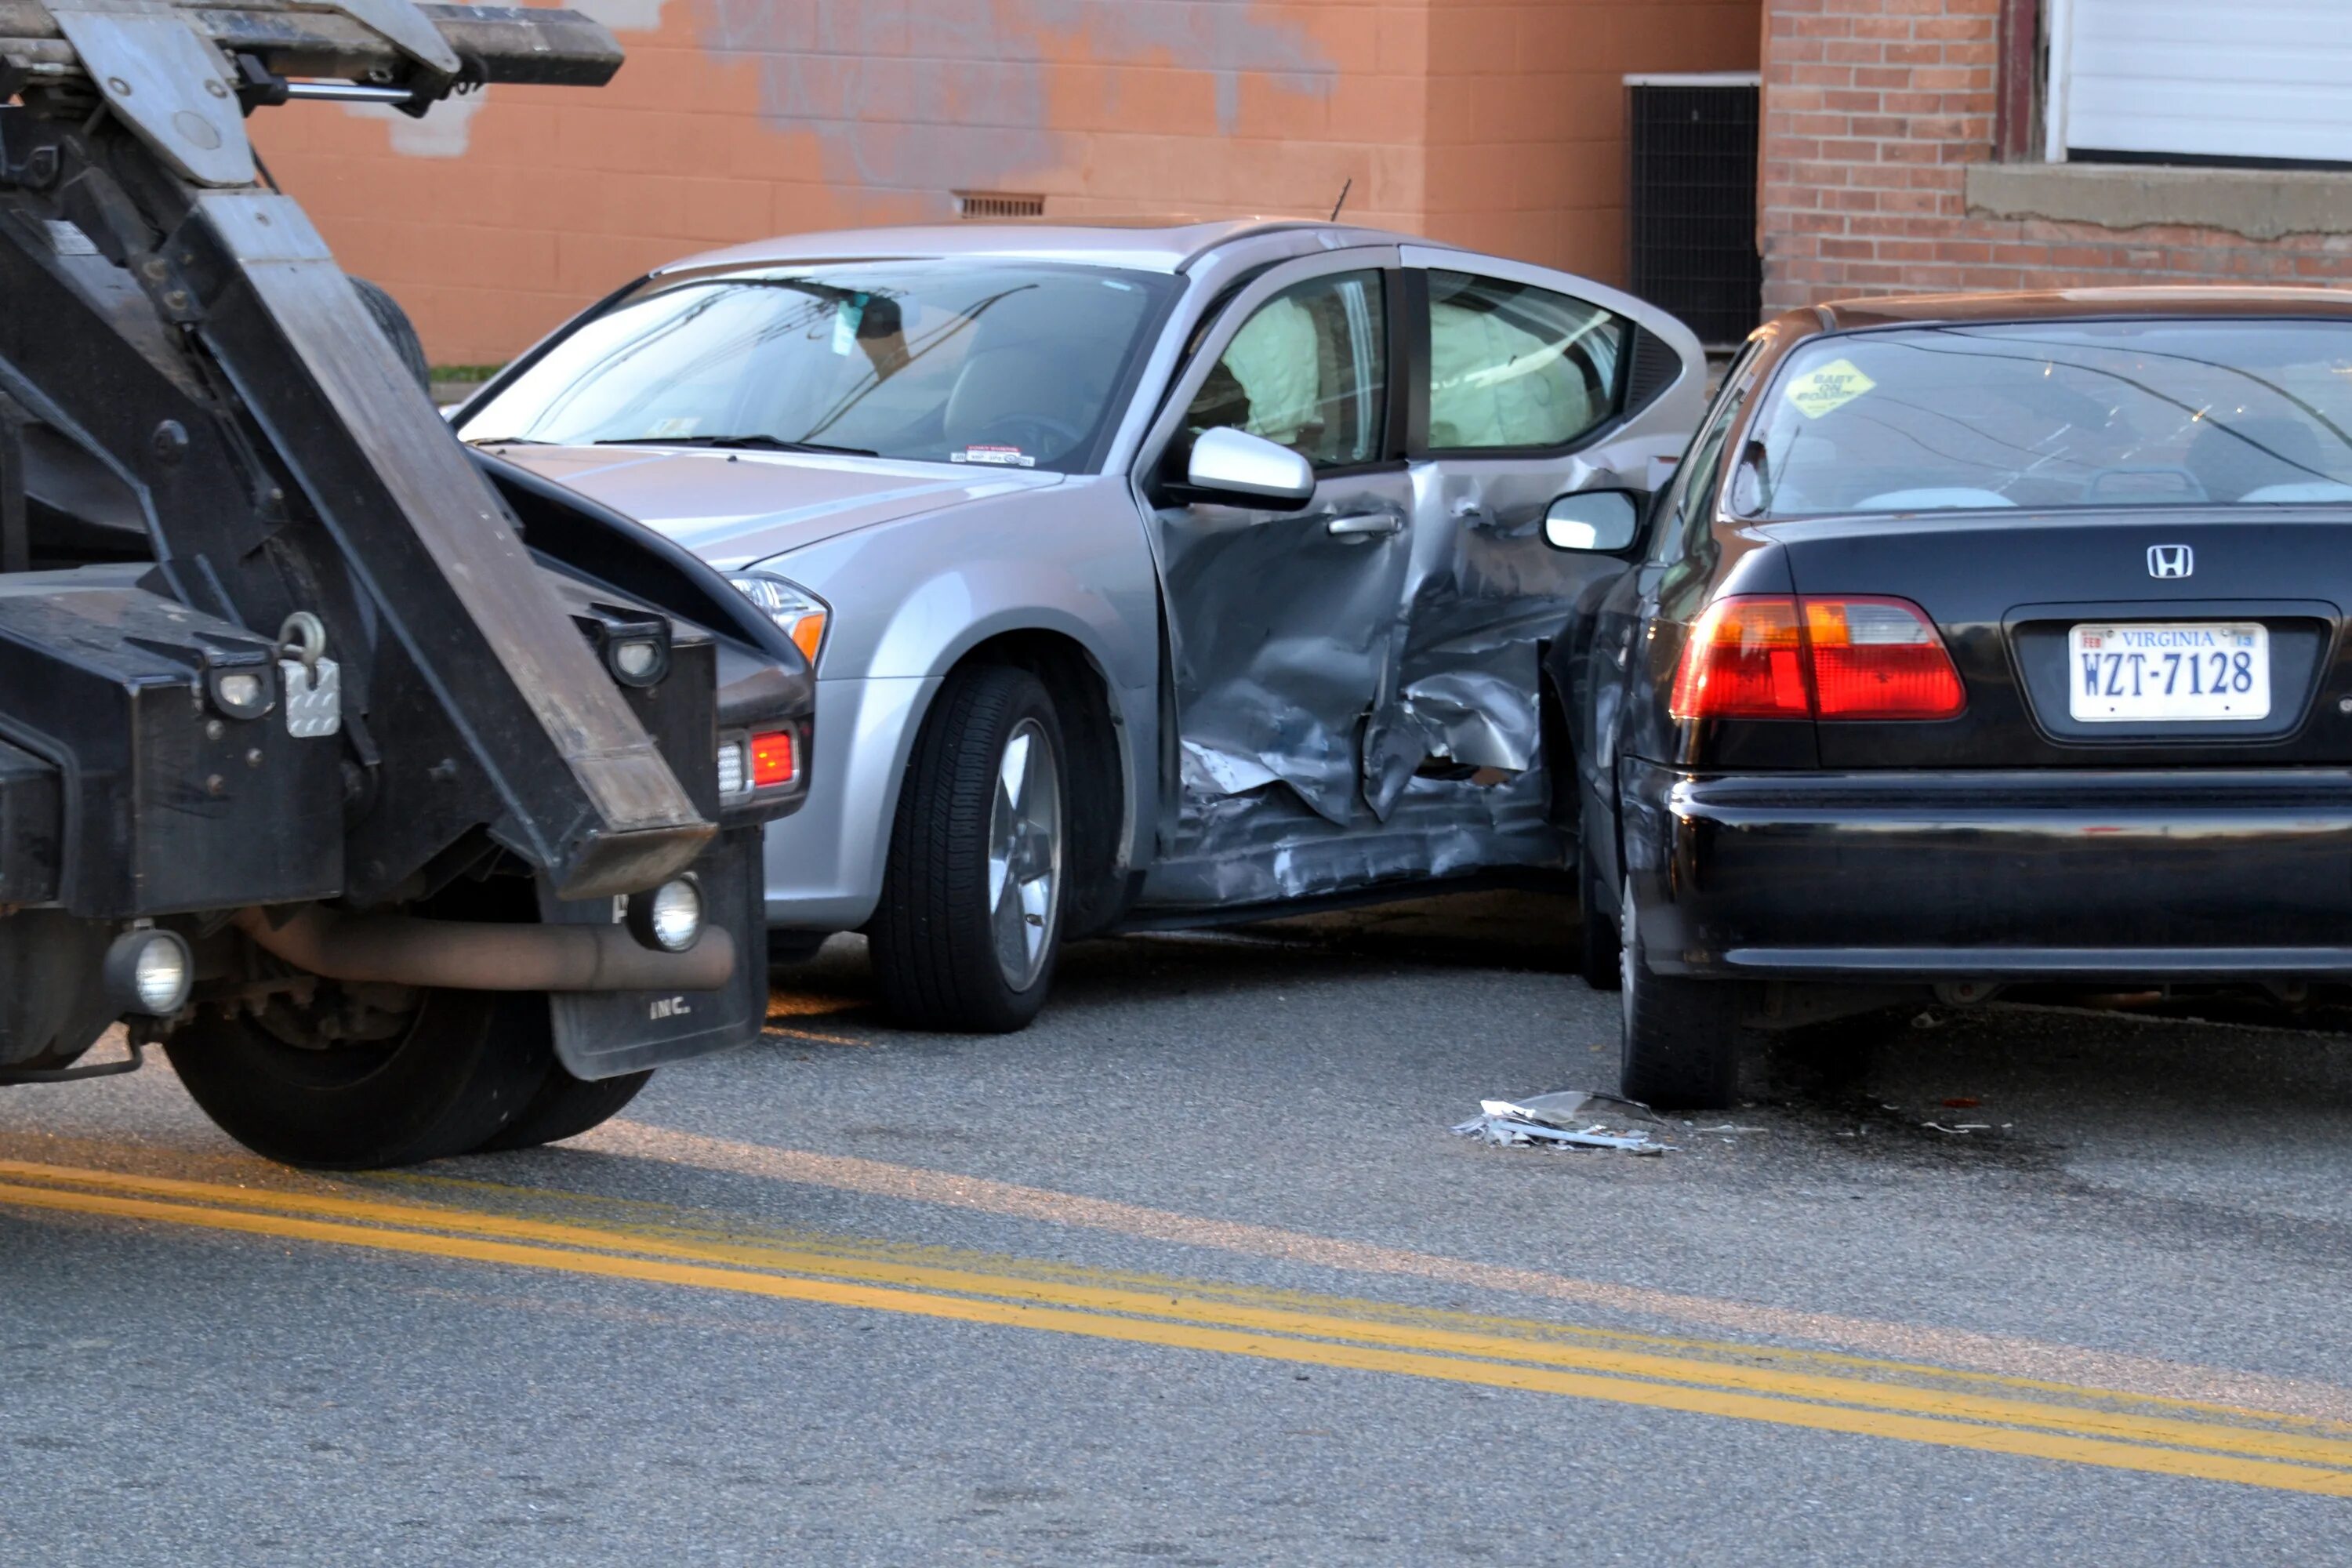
[410,803]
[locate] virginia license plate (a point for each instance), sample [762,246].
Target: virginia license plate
[2168,670]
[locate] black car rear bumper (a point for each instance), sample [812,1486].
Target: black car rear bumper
[2032,875]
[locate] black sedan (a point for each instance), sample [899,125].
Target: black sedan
[1975,642]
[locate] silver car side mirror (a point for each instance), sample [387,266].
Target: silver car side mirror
[1238,468]
[1602,521]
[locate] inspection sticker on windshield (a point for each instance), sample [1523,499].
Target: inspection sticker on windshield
[1834,385]
[2169,671]
[847,317]
[1002,456]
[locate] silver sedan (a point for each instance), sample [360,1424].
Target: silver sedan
[1153,576]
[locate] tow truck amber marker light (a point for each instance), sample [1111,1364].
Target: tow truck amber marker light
[1773,656]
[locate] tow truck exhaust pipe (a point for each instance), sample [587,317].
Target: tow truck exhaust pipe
[479,955]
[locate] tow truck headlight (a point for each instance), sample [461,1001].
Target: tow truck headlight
[149,971]
[803,616]
[668,918]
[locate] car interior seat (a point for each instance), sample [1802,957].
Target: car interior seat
[2233,457]
[1038,372]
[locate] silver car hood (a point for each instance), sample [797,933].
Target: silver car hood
[735,507]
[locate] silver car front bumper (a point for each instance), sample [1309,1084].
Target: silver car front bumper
[826,860]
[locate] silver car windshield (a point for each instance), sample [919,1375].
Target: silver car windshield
[1007,364]
[2054,414]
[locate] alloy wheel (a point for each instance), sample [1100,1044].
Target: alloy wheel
[1025,854]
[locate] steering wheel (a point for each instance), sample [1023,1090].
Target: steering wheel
[1014,429]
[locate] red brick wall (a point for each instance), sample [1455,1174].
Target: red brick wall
[1872,110]
[1524,137]
[1496,124]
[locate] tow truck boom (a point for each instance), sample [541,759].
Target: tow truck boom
[274,648]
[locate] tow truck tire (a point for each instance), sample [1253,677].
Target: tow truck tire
[1679,1038]
[565,1107]
[469,1064]
[397,327]
[935,939]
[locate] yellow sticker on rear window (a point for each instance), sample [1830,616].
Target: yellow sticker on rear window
[1834,385]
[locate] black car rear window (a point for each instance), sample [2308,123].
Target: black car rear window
[2045,414]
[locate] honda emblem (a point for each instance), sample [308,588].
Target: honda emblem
[2170,561]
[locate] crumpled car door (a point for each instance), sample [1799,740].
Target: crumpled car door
[1282,625]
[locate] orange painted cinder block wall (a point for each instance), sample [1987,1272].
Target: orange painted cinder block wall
[1493,123]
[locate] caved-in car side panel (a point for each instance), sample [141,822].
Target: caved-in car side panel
[1375,717]
[1496,433]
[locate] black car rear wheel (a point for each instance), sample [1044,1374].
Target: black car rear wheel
[360,1078]
[1598,952]
[1680,1038]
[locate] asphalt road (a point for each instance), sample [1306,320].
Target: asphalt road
[1193,1272]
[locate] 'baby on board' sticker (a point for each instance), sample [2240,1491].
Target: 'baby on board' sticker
[1834,385]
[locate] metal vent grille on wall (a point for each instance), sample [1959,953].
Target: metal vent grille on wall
[1691,211]
[998,204]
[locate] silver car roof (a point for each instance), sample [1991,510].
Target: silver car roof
[1141,246]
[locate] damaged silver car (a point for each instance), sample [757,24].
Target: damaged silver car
[1153,576]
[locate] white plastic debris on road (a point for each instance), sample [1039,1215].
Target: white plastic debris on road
[1566,1119]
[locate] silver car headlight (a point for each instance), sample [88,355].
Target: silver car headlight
[803,616]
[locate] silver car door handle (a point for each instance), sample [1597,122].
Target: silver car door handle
[1364,525]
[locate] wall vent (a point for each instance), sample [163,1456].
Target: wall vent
[1692,209]
[998,204]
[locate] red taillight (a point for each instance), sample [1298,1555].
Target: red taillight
[1745,659]
[772,759]
[1779,656]
[1879,658]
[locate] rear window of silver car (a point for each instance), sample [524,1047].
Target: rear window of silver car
[2053,414]
[1002,364]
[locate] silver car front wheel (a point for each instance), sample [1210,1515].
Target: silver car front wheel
[1025,854]
[970,919]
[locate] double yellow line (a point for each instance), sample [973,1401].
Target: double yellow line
[2079,1426]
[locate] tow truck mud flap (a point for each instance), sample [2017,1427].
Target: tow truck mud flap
[605,1034]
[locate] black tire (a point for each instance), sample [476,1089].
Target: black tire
[398,328]
[1599,954]
[934,945]
[1680,1038]
[466,1065]
[565,1107]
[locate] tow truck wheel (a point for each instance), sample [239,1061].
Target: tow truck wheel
[970,919]
[1680,1038]
[379,303]
[365,1077]
[565,1107]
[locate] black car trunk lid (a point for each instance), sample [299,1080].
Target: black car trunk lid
[2007,588]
